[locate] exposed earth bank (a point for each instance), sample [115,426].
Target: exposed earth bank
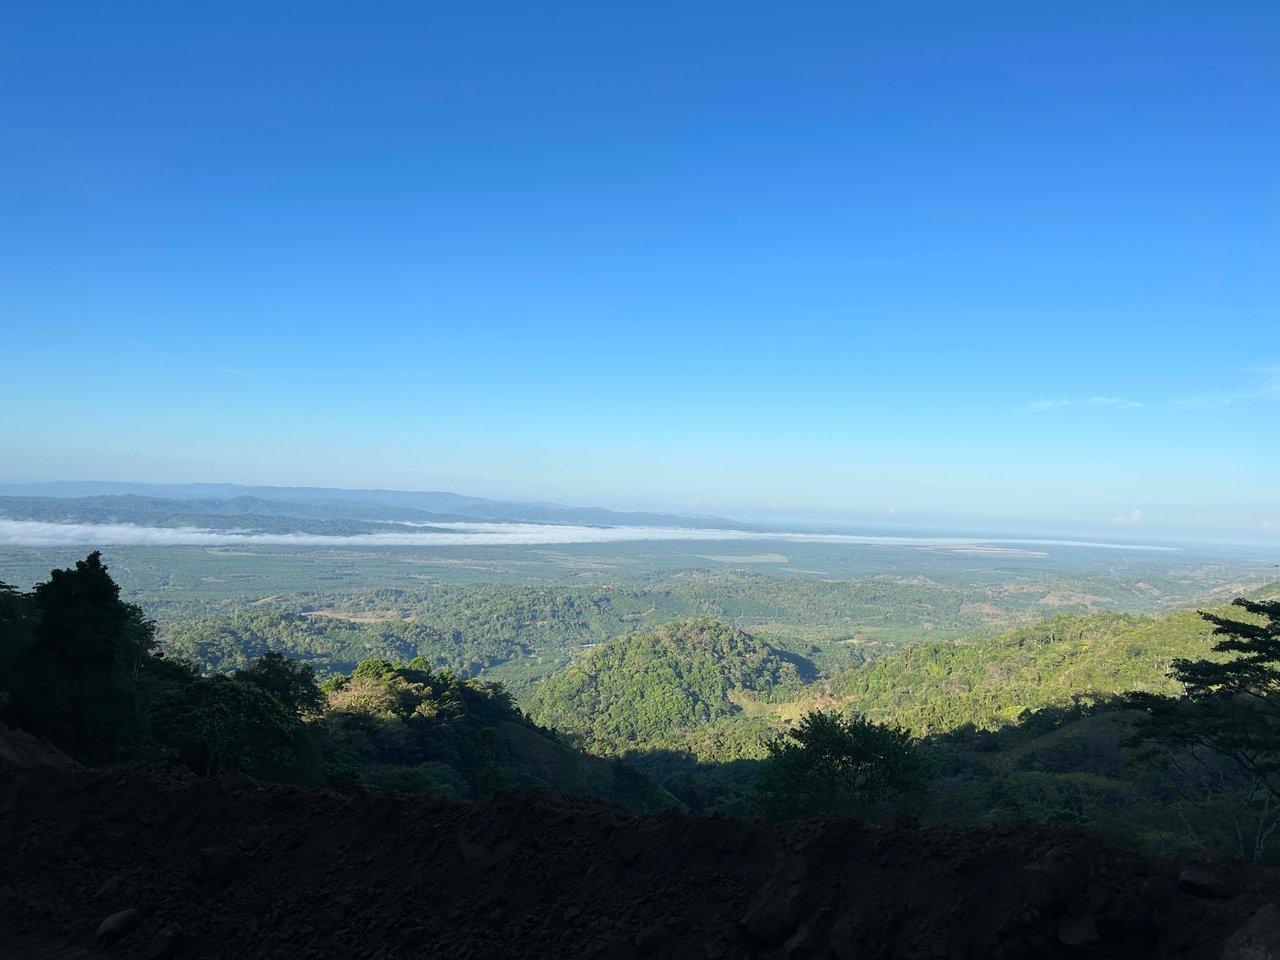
[97,863]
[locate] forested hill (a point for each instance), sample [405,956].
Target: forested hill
[704,689]
[642,687]
[639,690]
[83,669]
[935,687]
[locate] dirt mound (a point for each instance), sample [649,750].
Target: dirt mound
[237,869]
[20,747]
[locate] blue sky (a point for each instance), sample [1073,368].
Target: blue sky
[904,262]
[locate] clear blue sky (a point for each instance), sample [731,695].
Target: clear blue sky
[950,260]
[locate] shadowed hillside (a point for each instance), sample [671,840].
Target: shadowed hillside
[235,868]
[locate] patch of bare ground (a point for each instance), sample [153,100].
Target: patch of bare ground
[989,612]
[234,868]
[374,617]
[1070,598]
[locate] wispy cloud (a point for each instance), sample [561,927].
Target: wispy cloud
[1102,402]
[1268,389]
[1040,406]
[239,373]
[1223,400]
[1132,517]
[1120,403]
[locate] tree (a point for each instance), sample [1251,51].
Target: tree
[1222,738]
[290,682]
[76,681]
[16,620]
[836,765]
[224,725]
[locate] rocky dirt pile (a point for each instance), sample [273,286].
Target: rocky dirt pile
[111,864]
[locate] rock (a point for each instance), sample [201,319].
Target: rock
[165,944]
[254,836]
[117,926]
[1127,918]
[221,865]
[110,887]
[1054,880]
[800,943]
[898,820]
[479,858]
[655,939]
[412,936]
[1258,939]
[774,913]
[844,937]
[7,893]
[1206,882]
[1078,932]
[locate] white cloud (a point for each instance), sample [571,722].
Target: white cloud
[1134,516]
[31,533]
[1119,403]
[1040,406]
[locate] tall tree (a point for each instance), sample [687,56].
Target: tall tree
[849,766]
[1223,736]
[76,682]
[16,620]
[292,683]
[224,725]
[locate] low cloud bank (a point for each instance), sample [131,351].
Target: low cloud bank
[32,533]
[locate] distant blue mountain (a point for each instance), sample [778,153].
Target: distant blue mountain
[82,498]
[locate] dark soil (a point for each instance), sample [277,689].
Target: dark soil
[239,869]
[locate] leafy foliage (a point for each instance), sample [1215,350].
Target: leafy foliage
[74,653]
[403,726]
[293,684]
[223,725]
[1223,736]
[848,766]
[645,687]
[407,727]
[932,688]
[1237,698]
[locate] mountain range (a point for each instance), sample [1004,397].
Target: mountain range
[87,501]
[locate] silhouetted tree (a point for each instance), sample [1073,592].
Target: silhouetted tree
[292,683]
[223,725]
[1223,736]
[16,621]
[76,680]
[832,764]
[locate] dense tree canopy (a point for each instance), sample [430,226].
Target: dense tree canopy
[850,766]
[645,687]
[81,667]
[74,664]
